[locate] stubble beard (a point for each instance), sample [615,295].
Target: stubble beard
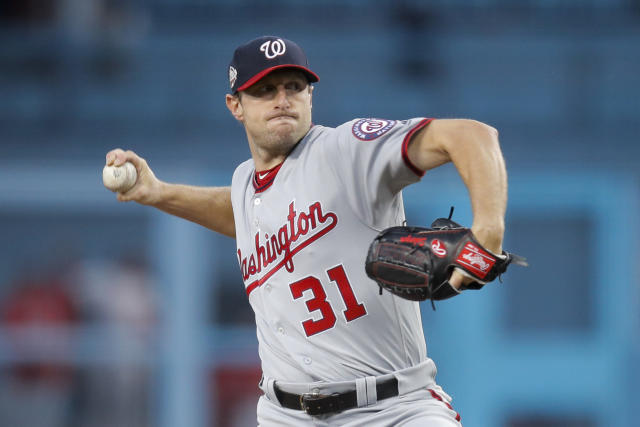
[283,140]
[280,141]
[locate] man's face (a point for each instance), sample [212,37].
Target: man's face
[275,111]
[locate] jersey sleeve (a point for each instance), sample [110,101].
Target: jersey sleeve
[372,160]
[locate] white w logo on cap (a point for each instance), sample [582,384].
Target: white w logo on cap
[273,48]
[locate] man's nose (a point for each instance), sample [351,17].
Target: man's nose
[282,97]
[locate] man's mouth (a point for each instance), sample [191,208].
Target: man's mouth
[282,117]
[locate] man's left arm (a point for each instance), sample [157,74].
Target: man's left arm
[474,149]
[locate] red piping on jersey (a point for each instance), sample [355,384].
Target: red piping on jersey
[437,397]
[297,249]
[405,147]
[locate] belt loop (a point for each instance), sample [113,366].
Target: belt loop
[366,391]
[268,388]
[361,392]
[372,392]
[416,377]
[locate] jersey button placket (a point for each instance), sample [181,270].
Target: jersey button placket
[256,220]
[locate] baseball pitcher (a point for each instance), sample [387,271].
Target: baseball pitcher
[340,344]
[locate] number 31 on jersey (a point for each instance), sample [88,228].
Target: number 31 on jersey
[319,301]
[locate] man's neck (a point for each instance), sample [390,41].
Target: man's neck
[261,165]
[265,159]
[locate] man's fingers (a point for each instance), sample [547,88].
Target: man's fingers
[125,197]
[112,156]
[458,279]
[122,157]
[146,183]
[118,157]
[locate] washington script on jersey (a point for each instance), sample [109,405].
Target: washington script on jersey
[301,227]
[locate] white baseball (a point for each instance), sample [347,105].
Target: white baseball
[119,178]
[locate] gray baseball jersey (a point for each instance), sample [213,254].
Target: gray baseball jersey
[302,238]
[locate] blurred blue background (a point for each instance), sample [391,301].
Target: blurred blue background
[116,315]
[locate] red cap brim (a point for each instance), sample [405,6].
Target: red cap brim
[313,77]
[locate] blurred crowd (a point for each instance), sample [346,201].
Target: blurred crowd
[49,322]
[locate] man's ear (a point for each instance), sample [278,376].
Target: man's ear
[235,107]
[311,96]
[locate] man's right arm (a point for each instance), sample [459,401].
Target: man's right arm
[207,206]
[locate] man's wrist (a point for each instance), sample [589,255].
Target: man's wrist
[160,194]
[490,237]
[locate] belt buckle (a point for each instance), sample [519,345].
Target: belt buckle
[306,397]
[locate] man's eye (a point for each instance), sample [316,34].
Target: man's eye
[263,90]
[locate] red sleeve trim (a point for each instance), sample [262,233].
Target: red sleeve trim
[405,147]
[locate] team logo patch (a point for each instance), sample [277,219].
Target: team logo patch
[370,129]
[437,247]
[233,76]
[475,259]
[273,48]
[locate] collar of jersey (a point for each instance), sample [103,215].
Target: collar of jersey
[269,175]
[263,179]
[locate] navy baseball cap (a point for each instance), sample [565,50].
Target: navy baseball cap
[259,57]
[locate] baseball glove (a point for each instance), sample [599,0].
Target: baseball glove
[415,263]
